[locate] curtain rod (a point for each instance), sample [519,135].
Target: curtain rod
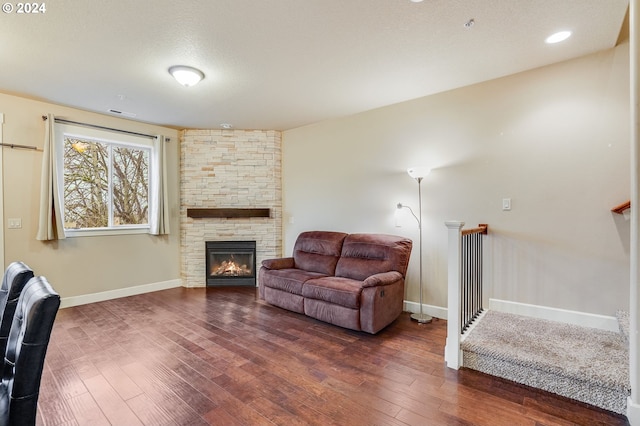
[13,145]
[94,126]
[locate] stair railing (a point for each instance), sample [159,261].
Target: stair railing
[465,258]
[621,208]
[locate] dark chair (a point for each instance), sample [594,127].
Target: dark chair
[26,348]
[15,277]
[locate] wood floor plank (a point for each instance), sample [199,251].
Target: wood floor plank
[222,356]
[85,368]
[539,406]
[369,400]
[68,382]
[219,416]
[54,412]
[434,418]
[119,380]
[113,407]
[166,404]
[275,413]
[149,412]
[86,411]
[243,413]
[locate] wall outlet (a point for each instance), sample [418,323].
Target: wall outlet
[15,223]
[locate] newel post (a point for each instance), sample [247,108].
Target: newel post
[633,403]
[452,353]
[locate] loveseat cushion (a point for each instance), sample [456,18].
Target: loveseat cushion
[289,280]
[337,290]
[318,251]
[283,299]
[364,255]
[332,313]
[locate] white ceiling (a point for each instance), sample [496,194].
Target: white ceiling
[281,64]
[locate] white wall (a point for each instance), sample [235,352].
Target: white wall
[554,140]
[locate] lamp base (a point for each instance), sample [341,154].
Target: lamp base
[421,318]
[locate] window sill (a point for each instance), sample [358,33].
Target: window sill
[101,232]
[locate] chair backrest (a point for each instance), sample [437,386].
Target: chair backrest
[366,254]
[26,349]
[318,251]
[15,277]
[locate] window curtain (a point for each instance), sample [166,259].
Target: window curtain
[50,225]
[159,213]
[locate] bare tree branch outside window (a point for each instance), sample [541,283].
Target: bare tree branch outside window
[99,175]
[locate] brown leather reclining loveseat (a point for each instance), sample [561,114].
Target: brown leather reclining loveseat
[355,281]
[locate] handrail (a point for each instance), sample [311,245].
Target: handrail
[458,276]
[622,207]
[482,228]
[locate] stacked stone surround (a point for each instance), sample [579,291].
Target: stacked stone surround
[229,169]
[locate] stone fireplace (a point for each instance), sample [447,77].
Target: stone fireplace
[228,170]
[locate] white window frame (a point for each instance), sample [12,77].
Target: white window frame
[113,138]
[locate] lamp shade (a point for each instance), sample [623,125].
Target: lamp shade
[187,76]
[418,172]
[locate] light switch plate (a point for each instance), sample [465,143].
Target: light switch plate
[506,204]
[15,223]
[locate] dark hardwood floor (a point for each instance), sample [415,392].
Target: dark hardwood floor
[223,357]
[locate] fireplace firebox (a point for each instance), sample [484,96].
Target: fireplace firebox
[231,263]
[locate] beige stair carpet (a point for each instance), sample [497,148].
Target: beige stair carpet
[580,363]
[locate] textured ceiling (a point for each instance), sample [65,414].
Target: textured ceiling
[281,64]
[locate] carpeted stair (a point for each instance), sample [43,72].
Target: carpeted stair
[623,324]
[580,363]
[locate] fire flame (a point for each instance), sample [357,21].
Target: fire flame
[231,268]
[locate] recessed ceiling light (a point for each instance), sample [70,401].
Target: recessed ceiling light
[558,37]
[187,76]
[416,1]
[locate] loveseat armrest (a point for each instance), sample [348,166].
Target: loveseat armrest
[384,278]
[279,263]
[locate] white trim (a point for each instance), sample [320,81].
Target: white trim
[434,311]
[452,352]
[121,230]
[633,413]
[2,268]
[67,302]
[634,246]
[584,319]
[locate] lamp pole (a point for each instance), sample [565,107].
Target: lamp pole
[421,317]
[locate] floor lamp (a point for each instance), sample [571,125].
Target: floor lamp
[418,174]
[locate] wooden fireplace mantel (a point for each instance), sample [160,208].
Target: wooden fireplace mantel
[227,213]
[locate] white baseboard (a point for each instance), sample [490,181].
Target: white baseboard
[584,319]
[633,413]
[434,311]
[67,302]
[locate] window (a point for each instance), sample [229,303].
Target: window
[105,180]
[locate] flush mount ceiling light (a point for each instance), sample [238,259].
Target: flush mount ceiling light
[187,76]
[558,37]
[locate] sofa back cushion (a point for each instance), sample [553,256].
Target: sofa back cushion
[364,255]
[318,251]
